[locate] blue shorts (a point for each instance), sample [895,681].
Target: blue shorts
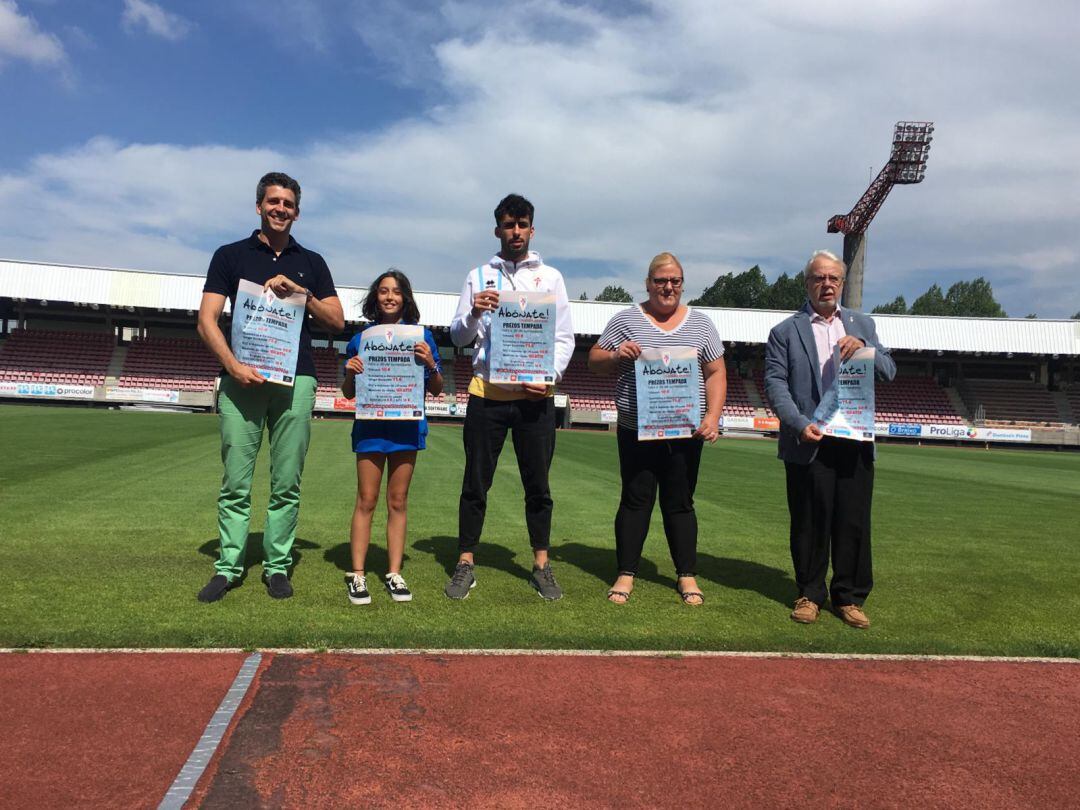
[388,435]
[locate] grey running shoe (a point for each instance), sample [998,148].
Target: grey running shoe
[544,582]
[461,582]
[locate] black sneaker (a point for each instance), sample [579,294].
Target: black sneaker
[358,592]
[278,586]
[544,582]
[216,588]
[399,591]
[461,582]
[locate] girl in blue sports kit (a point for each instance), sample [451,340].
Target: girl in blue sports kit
[386,443]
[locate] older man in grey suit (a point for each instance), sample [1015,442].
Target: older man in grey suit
[830,481]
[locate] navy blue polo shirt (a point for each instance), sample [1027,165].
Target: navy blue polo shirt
[253,260]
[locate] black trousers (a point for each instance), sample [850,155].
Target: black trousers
[672,467]
[829,501]
[531,423]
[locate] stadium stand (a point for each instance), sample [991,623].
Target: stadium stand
[759,384]
[586,390]
[42,356]
[1072,396]
[738,401]
[329,368]
[914,400]
[182,364]
[462,376]
[1010,402]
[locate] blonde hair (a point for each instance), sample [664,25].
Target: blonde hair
[663,260]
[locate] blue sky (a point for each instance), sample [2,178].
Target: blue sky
[135,131]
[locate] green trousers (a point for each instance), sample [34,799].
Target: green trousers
[286,413]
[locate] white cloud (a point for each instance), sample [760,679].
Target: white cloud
[155,19]
[21,38]
[728,135]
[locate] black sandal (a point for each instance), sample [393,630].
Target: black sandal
[686,596]
[624,594]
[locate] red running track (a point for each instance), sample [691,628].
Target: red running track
[521,731]
[103,729]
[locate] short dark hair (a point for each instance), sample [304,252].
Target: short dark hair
[410,313]
[276,179]
[516,206]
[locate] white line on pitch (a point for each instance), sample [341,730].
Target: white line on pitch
[193,769]
[1008,659]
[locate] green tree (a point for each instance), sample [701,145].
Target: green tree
[897,307]
[931,302]
[583,297]
[1076,317]
[1031,316]
[748,290]
[613,293]
[787,292]
[973,299]
[717,291]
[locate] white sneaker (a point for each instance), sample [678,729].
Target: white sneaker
[399,591]
[358,592]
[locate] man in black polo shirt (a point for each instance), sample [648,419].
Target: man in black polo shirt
[247,403]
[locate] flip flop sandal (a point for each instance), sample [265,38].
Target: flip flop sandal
[686,596]
[624,594]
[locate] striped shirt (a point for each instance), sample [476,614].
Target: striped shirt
[696,331]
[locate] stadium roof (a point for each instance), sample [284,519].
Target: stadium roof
[34,281]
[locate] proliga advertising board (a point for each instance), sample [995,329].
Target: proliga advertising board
[976,434]
[50,390]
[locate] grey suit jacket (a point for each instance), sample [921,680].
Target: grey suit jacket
[793,376]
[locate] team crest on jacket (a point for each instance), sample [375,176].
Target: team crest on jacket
[536,282]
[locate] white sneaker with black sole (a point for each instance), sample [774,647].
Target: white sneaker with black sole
[358,592]
[399,591]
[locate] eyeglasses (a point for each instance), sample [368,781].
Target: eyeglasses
[817,281]
[675,283]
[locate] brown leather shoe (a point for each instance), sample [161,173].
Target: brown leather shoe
[805,612]
[853,616]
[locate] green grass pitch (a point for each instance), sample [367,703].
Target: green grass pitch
[107,530]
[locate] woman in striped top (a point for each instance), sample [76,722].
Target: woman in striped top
[670,465]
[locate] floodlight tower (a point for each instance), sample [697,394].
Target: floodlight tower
[907,165]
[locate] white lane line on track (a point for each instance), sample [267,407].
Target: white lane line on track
[991,659]
[193,769]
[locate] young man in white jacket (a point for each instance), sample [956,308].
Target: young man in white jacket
[527,410]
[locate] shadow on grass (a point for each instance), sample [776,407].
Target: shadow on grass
[488,555]
[377,559]
[600,562]
[253,553]
[744,575]
[741,575]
